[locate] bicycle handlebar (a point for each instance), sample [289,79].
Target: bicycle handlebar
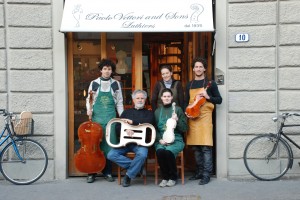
[3,111]
[286,115]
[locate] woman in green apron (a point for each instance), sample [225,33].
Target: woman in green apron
[166,151]
[107,99]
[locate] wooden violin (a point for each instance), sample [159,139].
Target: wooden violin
[193,109]
[89,158]
[171,124]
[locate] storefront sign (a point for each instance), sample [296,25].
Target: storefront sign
[137,16]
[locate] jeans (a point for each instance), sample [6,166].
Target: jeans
[203,157]
[133,167]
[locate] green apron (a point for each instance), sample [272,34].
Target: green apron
[178,145]
[103,111]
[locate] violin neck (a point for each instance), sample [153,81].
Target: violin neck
[173,107]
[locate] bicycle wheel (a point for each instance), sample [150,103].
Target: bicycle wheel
[28,170]
[257,162]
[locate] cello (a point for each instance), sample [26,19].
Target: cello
[193,110]
[89,158]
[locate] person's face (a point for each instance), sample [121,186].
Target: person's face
[106,71]
[199,69]
[139,101]
[166,98]
[166,74]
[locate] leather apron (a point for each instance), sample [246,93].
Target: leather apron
[103,111]
[201,128]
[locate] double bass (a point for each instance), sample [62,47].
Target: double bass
[193,110]
[89,158]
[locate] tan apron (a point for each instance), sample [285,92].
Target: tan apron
[200,128]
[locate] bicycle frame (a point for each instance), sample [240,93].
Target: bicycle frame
[278,137]
[9,135]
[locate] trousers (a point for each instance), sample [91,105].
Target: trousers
[167,163]
[203,158]
[133,167]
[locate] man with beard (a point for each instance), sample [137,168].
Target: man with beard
[200,131]
[134,116]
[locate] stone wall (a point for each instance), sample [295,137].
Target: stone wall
[26,69]
[263,73]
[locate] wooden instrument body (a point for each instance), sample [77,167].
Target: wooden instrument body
[89,158]
[171,124]
[139,137]
[193,110]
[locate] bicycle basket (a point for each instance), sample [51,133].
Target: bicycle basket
[23,125]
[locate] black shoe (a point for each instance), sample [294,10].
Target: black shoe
[204,180]
[126,181]
[91,178]
[196,177]
[109,178]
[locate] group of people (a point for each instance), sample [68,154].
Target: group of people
[108,102]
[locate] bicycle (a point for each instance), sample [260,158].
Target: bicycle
[22,160]
[268,157]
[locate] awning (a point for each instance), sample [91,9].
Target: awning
[137,16]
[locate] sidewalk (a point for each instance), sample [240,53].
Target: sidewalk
[217,189]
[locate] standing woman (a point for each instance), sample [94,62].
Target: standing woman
[167,82]
[107,98]
[166,152]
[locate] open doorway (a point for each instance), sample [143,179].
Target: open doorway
[85,50]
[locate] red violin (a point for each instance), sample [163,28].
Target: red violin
[193,110]
[89,158]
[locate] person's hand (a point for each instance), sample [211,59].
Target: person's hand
[130,133]
[202,94]
[89,113]
[128,121]
[174,116]
[162,142]
[188,116]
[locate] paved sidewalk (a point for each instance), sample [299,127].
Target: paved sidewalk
[217,189]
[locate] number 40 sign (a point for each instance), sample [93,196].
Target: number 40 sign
[242,37]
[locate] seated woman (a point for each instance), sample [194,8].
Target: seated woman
[166,152]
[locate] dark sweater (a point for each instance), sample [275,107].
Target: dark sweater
[138,116]
[178,94]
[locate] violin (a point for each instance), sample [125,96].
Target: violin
[89,158]
[193,110]
[169,135]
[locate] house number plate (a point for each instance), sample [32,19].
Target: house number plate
[242,37]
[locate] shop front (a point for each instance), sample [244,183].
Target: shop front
[139,39]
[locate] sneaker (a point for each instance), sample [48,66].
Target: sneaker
[126,181]
[90,178]
[163,183]
[204,180]
[196,177]
[171,183]
[109,178]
